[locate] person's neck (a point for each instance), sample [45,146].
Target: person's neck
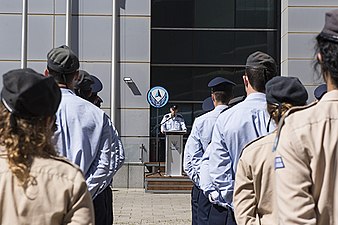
[219,103]
[330,85]
[65,86]
[249,90]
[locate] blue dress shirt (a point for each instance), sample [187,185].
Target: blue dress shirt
[234,129]
[85,135]
[198,141]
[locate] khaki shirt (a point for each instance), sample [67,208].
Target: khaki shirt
[254,183]
[57,195]
[306,165]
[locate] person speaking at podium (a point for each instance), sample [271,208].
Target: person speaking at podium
[173,121]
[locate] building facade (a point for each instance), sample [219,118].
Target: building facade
[133,45]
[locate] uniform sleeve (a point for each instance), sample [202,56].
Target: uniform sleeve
[205,180]
[117,146]
[193,153]
[103,162]
[163,127]
[293,180]
[220,167]
[80,210]
[245,203]
[183,127]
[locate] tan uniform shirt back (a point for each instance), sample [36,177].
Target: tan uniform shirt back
[254,183]
[306,165]
[57,195]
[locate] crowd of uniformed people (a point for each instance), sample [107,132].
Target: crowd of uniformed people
[58,150]
[271,158]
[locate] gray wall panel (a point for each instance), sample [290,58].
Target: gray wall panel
[96,7]
[40,36]
[311,2]
[134,122]
[304,70]
[140,73]
[10,38]
[60,31]
[135,39]
[11,6]
[134,7]
[132,148]
[41,6]
[301,45]
[306,19]
[95,37]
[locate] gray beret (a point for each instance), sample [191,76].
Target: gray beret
[330,30]
[62,60]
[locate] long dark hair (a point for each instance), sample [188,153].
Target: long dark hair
[329,52]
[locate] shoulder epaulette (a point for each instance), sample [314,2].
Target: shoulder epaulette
[288,113]
[166,116]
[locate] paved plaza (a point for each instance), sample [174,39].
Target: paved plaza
[134,206]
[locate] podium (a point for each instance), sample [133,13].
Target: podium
[174,153]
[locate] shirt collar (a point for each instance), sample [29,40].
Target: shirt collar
[330,96]
[256,95]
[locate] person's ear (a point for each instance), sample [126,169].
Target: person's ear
[245,80]
[46,73]
[319,57]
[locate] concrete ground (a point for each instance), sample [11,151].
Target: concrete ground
[134,206]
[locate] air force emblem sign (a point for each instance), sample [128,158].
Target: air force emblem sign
[157,97]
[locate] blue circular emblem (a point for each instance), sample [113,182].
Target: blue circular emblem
[157,97]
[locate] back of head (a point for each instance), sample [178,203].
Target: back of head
[327,46]
[260,68]
[62,64]
[221,89]
[30,101]
[282,93]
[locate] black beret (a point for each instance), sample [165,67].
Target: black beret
[330,30]
[62,60]
[286,90]
[220,84]
[27,94]
[207,104]
[320,91]
[260,60]
[84,81]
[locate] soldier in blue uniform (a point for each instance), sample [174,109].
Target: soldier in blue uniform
[199,138]
[234,129]
[173,121]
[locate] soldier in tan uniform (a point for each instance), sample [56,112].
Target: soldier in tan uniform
[254,183]
[37,187]
[307,151]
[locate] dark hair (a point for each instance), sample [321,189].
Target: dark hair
[258,77]
[224,96]
[329,53]
[62,78]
